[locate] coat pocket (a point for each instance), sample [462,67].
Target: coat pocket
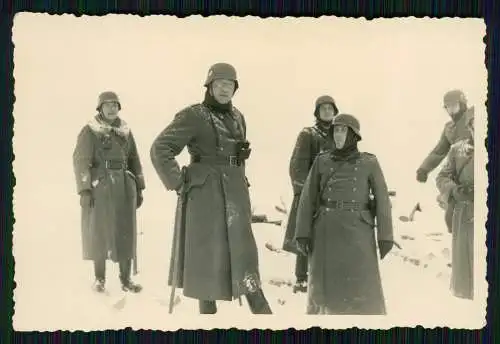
[195,178]
[367,217]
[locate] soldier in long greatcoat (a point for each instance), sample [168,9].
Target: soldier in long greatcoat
[455,130]
[214,252]
[310,142]
[456,181]
[109,181]
[336,226]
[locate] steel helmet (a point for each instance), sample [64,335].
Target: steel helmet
[221,71]
[453,97]
[108,96]
[349,121]
[326,100]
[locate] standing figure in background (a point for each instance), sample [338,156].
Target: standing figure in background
[109,181]
[455,130]
[214,252]
[455,181]
[310,142]
[336,226]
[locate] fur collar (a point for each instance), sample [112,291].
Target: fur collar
[100,127]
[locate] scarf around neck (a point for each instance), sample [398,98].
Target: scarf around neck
[210,102]
[350,147]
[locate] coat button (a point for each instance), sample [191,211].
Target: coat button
[355,168]
[354,189]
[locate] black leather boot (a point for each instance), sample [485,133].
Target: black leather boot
[127,284]
[207,307]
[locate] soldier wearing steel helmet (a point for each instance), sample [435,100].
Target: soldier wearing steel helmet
[110,181]
[455,182]
[335,226]
[310,142]
[214,253]
[455,103]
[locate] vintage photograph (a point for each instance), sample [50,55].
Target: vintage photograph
[198,173]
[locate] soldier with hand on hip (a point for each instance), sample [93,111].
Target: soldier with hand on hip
[214,252]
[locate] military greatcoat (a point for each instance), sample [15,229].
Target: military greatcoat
[217,257]
[334,213]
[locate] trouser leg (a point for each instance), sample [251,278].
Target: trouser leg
[124,266]
[100,269]
[301,268]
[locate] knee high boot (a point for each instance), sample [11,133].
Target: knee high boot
[207,307]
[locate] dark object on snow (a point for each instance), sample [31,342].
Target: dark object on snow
[279,209]
[407,237]
[259,218]
[411,217]
[264,219]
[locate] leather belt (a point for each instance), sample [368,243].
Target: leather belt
[231,160]
[345,205]
[115,165]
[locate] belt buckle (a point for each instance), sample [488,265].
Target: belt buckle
[233,160]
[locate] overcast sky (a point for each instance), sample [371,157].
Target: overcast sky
[391,74]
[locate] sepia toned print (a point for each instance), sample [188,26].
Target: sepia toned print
[176,173]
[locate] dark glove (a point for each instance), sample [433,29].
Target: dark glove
[385,246]
[462,193]
[243,150]
[304,246]
[140,199]
[86,199]
[422,176]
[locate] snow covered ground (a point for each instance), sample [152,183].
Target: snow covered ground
[54,284]
[157,71]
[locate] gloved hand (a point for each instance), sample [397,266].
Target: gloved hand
[385,246]
[462,193]
[304,246]
[140,198]
[86,199]
[422,176]
[243,150]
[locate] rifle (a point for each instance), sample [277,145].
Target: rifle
[180,220]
